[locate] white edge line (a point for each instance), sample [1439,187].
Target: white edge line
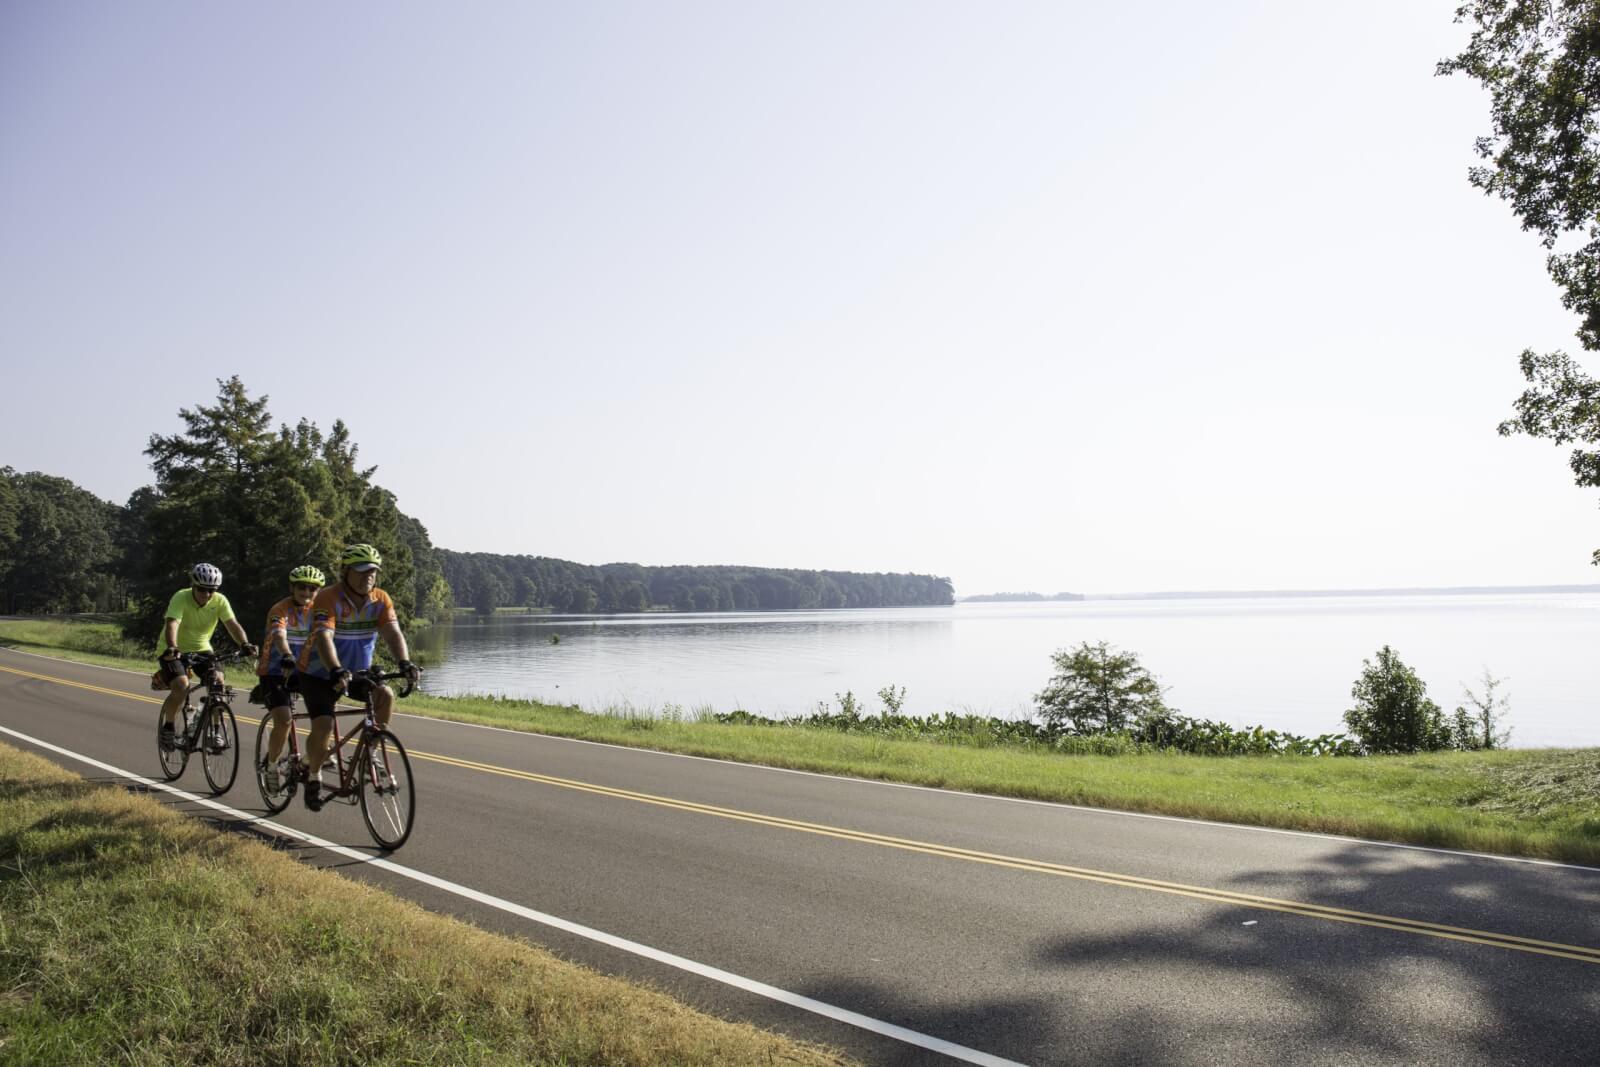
[715,974]
[1058,804]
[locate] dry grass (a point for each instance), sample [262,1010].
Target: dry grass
[131,934]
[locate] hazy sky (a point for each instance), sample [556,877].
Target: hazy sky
[1043,296]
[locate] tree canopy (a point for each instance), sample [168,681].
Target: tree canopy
[231,491]
[59,549]
[1540,62]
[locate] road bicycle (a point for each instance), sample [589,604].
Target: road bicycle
[212,731]
[375,774]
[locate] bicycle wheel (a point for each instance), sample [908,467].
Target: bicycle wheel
[388,801]
[275,802]
[219,746]
[174,759]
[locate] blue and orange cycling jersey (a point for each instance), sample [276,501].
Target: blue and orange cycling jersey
[354,625]
[291,620]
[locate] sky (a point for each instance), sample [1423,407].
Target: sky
[1035,296]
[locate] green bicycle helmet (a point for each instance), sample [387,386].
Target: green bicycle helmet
[306,573]
[355,555]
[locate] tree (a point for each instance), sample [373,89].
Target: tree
[489,593]
[257,503]
[1483,726]
[1098,689]
[60,547]
[1392,711]
[433,597]
[10,516]
[1540,62]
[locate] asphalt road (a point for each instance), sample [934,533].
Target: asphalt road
[911,925]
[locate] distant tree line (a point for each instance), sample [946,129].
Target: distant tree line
[256,501]
[486,581]
[61,547]
[997,598]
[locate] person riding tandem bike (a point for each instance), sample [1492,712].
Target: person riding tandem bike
[288,626]
[192,617]
[347,621]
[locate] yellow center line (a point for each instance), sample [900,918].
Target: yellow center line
[1127,881]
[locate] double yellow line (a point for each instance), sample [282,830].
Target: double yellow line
[1126,881]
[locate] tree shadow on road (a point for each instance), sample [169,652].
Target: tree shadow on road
[1219,983]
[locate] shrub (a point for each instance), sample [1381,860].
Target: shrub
[1098,689]
[1145,724]
[1392,712]
[1480,726]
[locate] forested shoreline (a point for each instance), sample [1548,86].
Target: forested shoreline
[485,581]
[231,490]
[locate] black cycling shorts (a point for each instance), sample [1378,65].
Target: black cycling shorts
[321,698]
[280,691]
[174,668]
[319,695]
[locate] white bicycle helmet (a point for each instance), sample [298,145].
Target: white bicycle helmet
[206,576]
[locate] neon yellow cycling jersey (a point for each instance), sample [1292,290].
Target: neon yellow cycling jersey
[196,623]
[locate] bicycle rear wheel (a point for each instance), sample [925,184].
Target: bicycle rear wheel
[388,802]
[275,802]
[219,746]
[174,759]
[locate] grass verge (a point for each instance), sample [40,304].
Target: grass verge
[1525,802]
[130,933]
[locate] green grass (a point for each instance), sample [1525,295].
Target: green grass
[91,639]
[1525,802]
[131,934]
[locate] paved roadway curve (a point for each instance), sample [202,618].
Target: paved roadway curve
[1010,930]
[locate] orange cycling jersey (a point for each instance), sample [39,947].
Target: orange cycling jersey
[291,620]
[354,625]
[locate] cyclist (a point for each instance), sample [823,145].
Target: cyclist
[346,621]
[288,626]
[192,617]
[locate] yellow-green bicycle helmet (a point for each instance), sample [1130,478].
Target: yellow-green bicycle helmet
[355,555]
[306,573]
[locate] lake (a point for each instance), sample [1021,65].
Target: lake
[1284,662]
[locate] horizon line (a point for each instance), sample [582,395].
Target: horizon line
[1569,587]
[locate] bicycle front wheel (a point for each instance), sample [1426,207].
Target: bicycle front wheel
[219,746]
[388,802]
[175,758]
[277,800]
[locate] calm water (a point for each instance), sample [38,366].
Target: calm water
[1285,663]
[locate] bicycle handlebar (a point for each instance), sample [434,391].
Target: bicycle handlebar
[216,659]
[378,676]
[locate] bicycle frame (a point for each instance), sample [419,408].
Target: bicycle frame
[348,783]
[347,775]
[208,673]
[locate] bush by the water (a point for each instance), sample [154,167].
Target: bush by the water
[1097,689]
[1392,711]
[1100,702]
